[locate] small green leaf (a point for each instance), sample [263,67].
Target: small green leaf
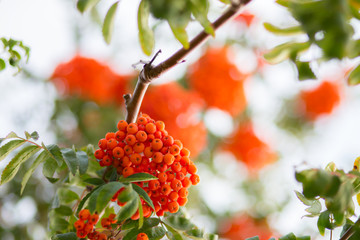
[283,31]
[83,162]
[71,159]
[304,71]
[34,135]
[128,210]
[65,236]
[41,158]
[303,199]
[93,199]
[13,167]
[179,222]
[148,223]
[138,177]
[109,23]
[84,5]
[2,64]
[64,210]
[106,193]
[354,76]
[82,202]
[67,196]
[324,222]
[285,51]
[27,135]
[54,152]
[146,34]
[141,213]
[175,235]
[155,233]
[199,9]
[194,233]
[10,146]
[212,236]
[143,195]
[58,224]
[179,32]
[49,167]
[289,236]
[12,135]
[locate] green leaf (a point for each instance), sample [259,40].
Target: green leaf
[54,152]
[148,223]
[83,162]
[179,222]
[175,235]
[289,236]
[10,146]
[127,194]
[194,233]
[106,193]
[303,238]
[354,76]
[109,23]
[179,32]
[34,135]
[137,177]
[225,1]
[64,210]
[13,167]
[254,238]
[84,5]
[303,199]
[49,167]
[143,195]
[94,181]
[141,213]
[283,31]
[65,236]
[12,135]
[212,236]
[41,158]
[146,34]
[285,51]
[66,195]
[58,224]
[2,64]
[199,9]
[128,210]
[304,71]
[324,222]
[155,233]
[71,159]
[27,135]
[82,202]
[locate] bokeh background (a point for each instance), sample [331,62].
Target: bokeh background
[249,125]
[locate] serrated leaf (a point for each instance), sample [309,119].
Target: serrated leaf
[93,199]
[137,177]
[64,210]
[143,195]
[13,167]
[49,167]
[175,235]
[128,210]
[179,31]
[82,202]
[65,236]
[34,135]
[285,51]
[54,152]
[141,214]
[71,159]
[84,5]
[106,193]
[67,196]
[146,34]
[304,71]
[199,9]
[354,76]
[83,162]
[283,31]
[2,64]
[41,158]
[289,236]
[10,146]
[109,23]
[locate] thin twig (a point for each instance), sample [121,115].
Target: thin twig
[149,72]
[350,231]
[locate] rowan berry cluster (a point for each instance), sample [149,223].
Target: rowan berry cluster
[145,146]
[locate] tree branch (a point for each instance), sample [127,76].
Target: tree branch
[148,73]
[350,231]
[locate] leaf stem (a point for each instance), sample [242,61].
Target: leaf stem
[149,72]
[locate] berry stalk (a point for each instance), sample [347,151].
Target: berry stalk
[149,72]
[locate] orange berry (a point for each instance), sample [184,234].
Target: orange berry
[162,167]
[107,161]
[163,200]
[169,158]
[179,143]
[168,140]
[180,175]
[157,144]
[195,179]
[102,143]
[111,143]
[183,193]
[132,128]
[160,125]
[150,128]
[138,147]
[176,184]
[84,214]
[122,125]
[142,236]
[185,161]
[173,207]
[174,149]
[142,120]
[99,154]
[170,175]
[136,215]
[79,224]
[148,152]
[162,177]
[154,184]
[118,152]
[136,159]
[173,196]
[184,152]
[182,201]
[160,213]
[105,222]
[94,218]
[165,189]
[176,167]
[120,135]
[125,162]
[192,169]
[128,150]
[88,227]
[128,171]
[109,135]
[141,136]
[130,139]
[81,234]
[186,182]
[158,157]
[102,236]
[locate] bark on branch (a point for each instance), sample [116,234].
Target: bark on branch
[149,72]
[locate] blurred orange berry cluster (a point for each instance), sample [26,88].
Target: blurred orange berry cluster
[319,101]
[146,147]
[244,226]
[245,17]
[218,81]
[180,109]
[249,148]
[90,80]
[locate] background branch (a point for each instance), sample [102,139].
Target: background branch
[148,73]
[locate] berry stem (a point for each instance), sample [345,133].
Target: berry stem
[149,72]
